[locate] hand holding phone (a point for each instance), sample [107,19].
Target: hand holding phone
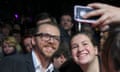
[80,11]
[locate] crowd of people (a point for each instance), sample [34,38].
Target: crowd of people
[59,46]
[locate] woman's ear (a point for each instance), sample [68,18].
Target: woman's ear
[96,50]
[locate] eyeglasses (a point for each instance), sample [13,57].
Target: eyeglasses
[47,37]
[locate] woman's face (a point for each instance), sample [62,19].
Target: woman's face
[83,51]
[8,49]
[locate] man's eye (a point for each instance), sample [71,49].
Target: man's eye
[46,35]
[57,38]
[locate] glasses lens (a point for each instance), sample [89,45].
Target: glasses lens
[46,36]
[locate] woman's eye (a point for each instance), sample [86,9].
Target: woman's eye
[85,43]
[74,46]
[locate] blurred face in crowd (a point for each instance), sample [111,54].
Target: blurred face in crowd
[5,31]
[17,36]
[58,61]
[28,44]
[8,48]
[103,38]
[46,40]
[83,51]
[66,22]
[16,27]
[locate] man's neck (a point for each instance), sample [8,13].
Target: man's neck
[43,60]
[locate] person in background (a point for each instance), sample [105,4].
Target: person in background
[111,50]
[6,30]
[9,46]
[85,52]
[66,25]
[66,22]
[17,27]
[27,43]
[61,55]
[45,43]
[18,37]
[103,37]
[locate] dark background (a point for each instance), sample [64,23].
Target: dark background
[31,7]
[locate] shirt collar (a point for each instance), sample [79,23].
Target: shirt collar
[37,63]
[35,60]
[50,68]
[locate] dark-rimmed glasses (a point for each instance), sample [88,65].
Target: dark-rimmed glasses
[47,37]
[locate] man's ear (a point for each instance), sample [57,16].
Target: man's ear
[33,41]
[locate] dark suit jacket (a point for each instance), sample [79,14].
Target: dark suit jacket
[18,63]
[70,66]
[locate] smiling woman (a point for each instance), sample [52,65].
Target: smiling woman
[85,52]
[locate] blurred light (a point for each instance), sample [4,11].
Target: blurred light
[16,16]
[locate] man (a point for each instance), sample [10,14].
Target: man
[26,43]
[66,22]
[61,55]
[45,43]
[66,26]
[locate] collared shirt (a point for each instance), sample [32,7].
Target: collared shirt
[38,66]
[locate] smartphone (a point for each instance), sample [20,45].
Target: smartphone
[80,11]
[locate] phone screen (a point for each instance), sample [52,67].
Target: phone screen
[80,11]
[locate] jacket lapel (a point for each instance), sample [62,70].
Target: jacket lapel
[29,62]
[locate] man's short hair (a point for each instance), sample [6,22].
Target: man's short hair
[43,16]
